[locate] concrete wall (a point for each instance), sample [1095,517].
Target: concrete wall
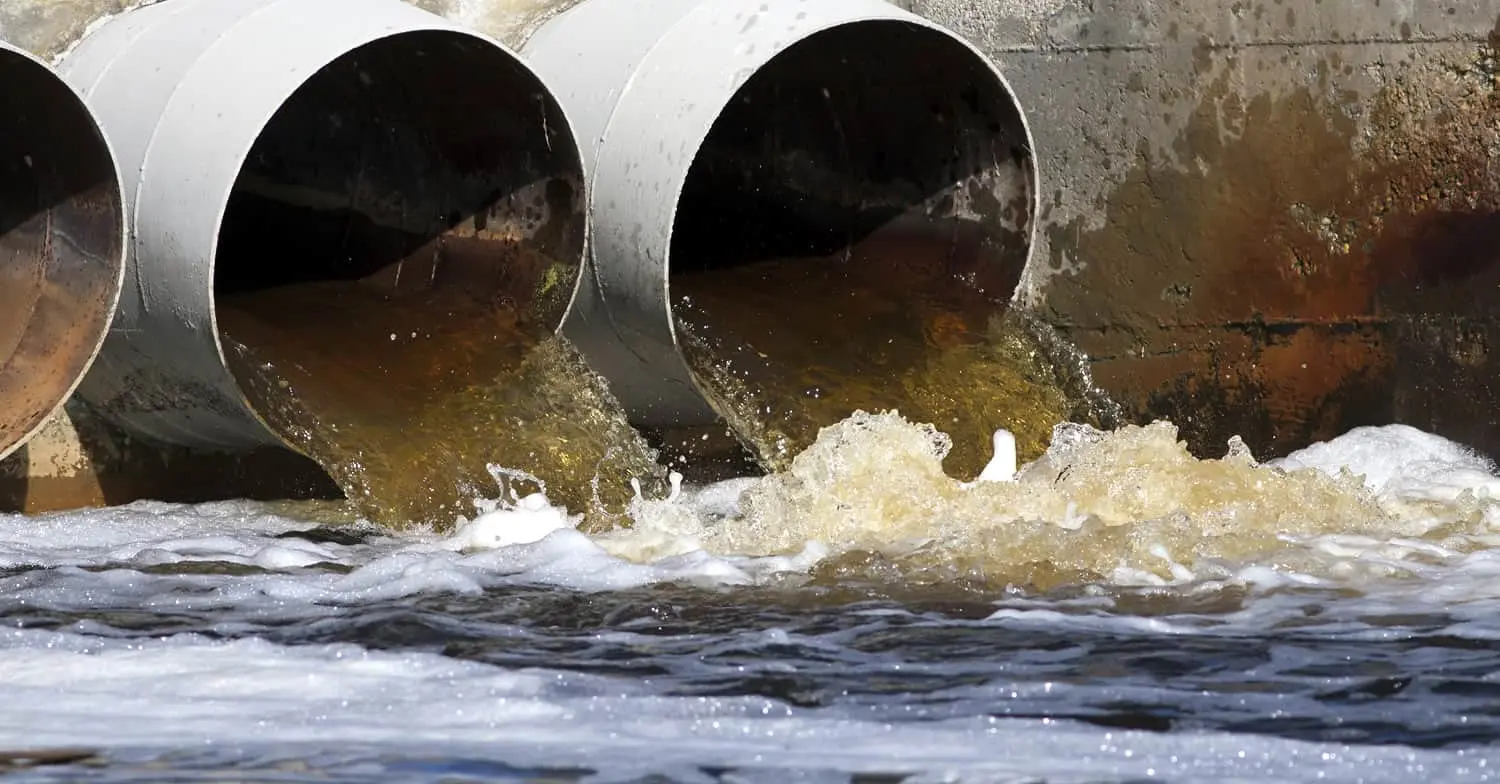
[1276,218]
[1266,217]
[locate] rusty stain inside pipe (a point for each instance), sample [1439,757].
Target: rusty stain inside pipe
[394,260]
[61,243]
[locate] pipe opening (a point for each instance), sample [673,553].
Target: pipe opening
[427,161]
[849,236]
[61,244]
[402,241]
[847,131]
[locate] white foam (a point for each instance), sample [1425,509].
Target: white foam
[146,533]
[710,535]
[185,692]
[82,686]
[1401,461]
[529,520]
[1002,465]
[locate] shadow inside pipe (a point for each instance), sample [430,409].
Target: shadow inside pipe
[399,248]
[850,236]
[60,244]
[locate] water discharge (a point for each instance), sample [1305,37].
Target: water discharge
[1130,506]
[465,392]
[910,318]
[1118,611]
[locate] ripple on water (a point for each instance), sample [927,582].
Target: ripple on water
[1319,623]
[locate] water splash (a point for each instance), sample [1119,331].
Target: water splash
[1128,506]
[842,344]
[417,405]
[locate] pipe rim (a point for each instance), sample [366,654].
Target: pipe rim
[928,27]
[121,239]
[156,76]
[728,70]
[242,157]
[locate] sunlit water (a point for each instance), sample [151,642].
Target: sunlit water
[414,403]
[1118,612]
[902,319]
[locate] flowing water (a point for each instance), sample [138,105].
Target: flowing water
[1118,611]
[906,319]
[416,404]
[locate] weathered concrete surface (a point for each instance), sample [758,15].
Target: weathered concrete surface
[49,27]
[1267,217]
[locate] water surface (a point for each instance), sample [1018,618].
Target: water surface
[1120,612]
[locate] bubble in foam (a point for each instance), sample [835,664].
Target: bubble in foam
[525,520]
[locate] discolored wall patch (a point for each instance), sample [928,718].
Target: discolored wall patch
[1300,259]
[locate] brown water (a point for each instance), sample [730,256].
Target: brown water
[418,404]
[903,320]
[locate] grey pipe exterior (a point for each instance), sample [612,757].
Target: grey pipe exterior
[62,243]
[645,82]
[190,87]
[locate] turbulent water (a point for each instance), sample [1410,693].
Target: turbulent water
[899,320]
[415,404]
[1118,611]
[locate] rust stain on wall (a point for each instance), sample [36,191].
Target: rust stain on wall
[1287,272]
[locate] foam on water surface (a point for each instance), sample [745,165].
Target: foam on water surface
[245,694]
[151,628]
[1130,506]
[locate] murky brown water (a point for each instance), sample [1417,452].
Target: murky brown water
[410,401]
[419,401]
[903,320]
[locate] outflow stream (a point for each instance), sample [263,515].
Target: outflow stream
[902,320]
[468,400]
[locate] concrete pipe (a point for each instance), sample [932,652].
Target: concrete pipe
[736,146]
[62,239]
[277,145]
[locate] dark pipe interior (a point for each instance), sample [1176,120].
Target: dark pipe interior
[853,226]
[60,243]
[404,232]
[842,133]
[413,162]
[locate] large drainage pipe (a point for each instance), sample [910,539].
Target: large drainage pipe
[799,208]
[347,215]
[274,142]
[62,238]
